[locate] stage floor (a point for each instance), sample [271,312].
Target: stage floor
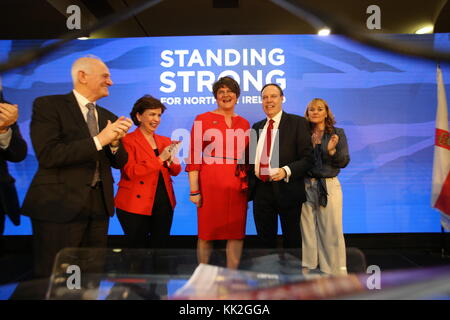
[169,270]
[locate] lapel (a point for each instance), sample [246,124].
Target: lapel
[324,145]
[143,142]
[79,118]
[102,118]
[74,108]
[278,141]
[159,143]
[282,127]
[261,127]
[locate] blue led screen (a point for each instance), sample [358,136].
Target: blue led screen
[385,102]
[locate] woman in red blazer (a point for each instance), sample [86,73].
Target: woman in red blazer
[145,200]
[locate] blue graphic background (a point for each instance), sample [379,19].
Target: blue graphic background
[385,102]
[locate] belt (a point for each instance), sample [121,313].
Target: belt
[206,155]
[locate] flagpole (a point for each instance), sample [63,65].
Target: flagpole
[443,234]
[444,254]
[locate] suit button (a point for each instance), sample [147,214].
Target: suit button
[141,182]
[138,196]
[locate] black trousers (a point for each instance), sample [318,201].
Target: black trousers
[2,222]
[2,229]
[88,229]
[143,231]
[266,210]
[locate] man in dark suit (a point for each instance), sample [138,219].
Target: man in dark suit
[76,143]
[282,156]
[12,148]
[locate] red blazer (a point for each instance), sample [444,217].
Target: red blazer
[139,177]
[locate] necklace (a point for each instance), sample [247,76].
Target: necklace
[316,136]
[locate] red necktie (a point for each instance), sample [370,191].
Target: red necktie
[265,155]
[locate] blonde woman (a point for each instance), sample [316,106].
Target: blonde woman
[323,242]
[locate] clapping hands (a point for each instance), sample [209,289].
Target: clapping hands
[114,131]
[9,113]
[332,144]
[167,153]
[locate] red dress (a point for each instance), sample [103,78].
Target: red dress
[214,151]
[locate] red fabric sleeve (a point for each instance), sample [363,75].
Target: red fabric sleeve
[194,160]
[134,169]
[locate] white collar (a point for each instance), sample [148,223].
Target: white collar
[277,117]
[82,101]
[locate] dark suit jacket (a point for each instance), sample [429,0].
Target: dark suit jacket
[16,152]
[67,159]
[295,151]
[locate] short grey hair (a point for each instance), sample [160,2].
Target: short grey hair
[83,64]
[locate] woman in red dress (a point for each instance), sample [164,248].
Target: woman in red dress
[218,188]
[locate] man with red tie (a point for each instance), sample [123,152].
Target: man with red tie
[282,157]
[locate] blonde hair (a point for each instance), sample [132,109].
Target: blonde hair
[329,119]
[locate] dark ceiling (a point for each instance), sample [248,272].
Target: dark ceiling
[44,19]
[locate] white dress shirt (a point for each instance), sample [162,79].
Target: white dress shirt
[260,146]
[82,102]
